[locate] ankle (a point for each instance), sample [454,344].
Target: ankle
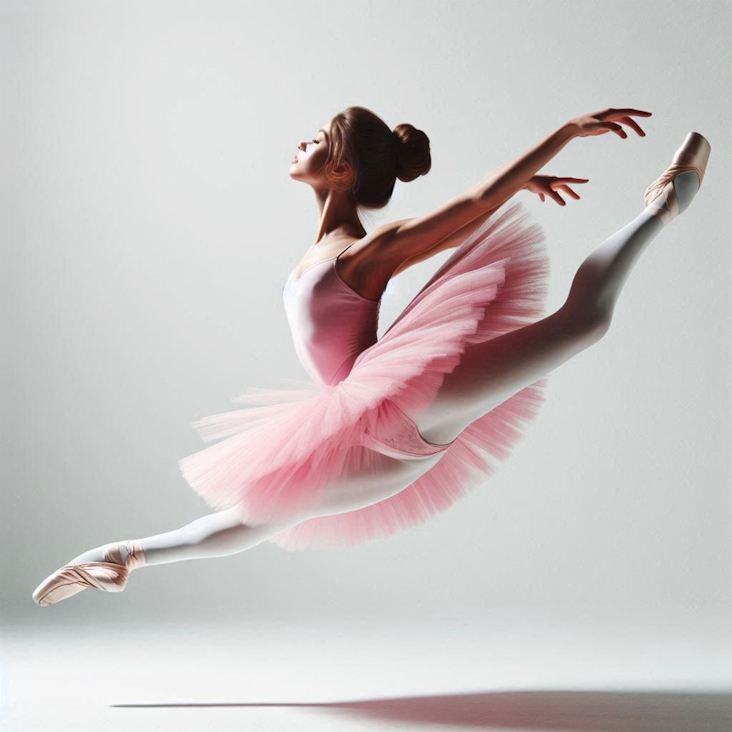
[128,553]
[133,555]
[686,186]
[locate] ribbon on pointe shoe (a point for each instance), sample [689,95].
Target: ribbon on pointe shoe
[135,554]
[669,208]
[108,576]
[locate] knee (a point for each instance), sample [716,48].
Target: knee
[591,324]
[587,312]
[600,323]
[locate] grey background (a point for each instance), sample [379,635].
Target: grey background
[149,225]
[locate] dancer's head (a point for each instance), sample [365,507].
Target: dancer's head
[358,156]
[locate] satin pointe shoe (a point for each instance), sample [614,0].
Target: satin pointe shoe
[110,575]
[661,197]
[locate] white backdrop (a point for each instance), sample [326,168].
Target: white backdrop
[149,225]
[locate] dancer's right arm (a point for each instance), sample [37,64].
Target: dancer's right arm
[500,184]
[475,205]
[416,239]
[407,240]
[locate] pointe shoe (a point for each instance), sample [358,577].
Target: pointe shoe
[109,576]
[660,197]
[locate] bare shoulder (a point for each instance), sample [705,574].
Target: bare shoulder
[394,246]
[372,251]
[367,265]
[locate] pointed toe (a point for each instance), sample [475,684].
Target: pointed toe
[660,197]
[73,578]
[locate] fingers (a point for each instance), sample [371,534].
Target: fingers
[611,113]
[623,115]
[626,112]
[632,123]
[618,129]
[550,188]
[606,124]
[613,127]
[567,189]
[556,197]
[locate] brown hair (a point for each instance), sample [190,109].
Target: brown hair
[377,154]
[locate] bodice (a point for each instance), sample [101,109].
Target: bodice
[331,324]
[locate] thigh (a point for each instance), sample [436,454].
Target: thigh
[492,371]
[361,488]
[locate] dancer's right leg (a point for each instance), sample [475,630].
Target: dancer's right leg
[491,372]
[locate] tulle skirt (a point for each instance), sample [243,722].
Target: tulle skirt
[283,450]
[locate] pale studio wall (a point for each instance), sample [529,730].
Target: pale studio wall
[149,225]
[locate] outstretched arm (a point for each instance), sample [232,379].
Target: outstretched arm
[410,238]
[500,184]
[544,186]
[479,203]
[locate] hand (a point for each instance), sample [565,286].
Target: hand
[599,123]
[547,185]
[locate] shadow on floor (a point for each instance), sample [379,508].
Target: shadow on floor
[570,711]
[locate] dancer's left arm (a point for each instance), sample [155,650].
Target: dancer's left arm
[410,238]
[542,185]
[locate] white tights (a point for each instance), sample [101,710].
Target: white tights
[488,374]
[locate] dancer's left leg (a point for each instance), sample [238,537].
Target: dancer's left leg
[214,535]
[223,533]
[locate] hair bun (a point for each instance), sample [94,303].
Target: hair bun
[412,152]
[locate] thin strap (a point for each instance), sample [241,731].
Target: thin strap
[348,247]
[329,259]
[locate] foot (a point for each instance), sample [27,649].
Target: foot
[672,192]
[106,568]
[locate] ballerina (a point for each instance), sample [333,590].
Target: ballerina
[389,432]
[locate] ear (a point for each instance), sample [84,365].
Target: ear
[343,168]
[342,172]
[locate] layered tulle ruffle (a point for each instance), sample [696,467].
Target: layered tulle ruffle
[286,447]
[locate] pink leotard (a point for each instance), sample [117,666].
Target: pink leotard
[330,322]
[331,325]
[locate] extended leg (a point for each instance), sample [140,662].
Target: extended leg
[214,535]
[223,533]
[491,372]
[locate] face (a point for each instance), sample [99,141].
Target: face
[308,164]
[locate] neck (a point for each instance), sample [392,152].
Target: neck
[338,215]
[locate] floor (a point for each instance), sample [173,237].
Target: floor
[336,675]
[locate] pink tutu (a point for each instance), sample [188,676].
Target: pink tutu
[287,446]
